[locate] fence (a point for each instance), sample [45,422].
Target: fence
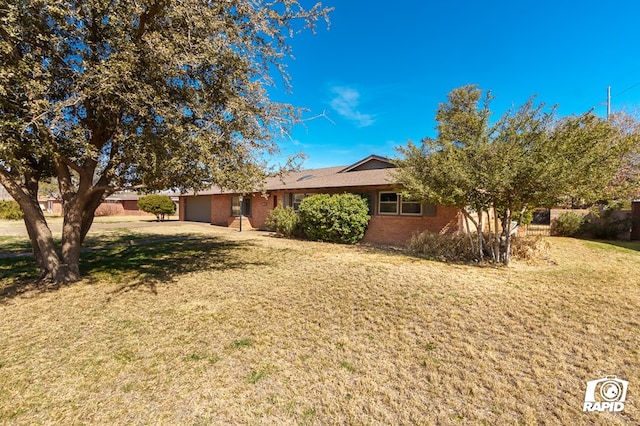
[534,230]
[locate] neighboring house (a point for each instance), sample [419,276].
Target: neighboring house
[393,219]
[118,204]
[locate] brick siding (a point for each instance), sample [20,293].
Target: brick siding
[398,230]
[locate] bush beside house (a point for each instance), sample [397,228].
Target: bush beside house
[160,205]
[338,218]
[283,221]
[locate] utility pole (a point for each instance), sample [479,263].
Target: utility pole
[608,102]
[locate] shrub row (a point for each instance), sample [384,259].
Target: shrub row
[457,248]
[603,225]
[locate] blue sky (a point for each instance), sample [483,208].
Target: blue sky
[381,69]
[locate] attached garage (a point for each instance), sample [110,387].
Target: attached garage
[198,208]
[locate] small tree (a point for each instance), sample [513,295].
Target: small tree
[526,159]
[106,96]
[158,204]
[339,218]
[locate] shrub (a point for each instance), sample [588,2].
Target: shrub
[339,218]
[158,204]
[456,247]
[608,224]
[447,247]
[107,209]
[10,210]
[530,249]
[568,224]
[283,221]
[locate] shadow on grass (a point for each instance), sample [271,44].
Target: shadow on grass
[134,264]
[10,245]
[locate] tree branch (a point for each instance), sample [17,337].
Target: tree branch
[147,16]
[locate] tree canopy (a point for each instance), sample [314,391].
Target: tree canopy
[108,95]
[527,158]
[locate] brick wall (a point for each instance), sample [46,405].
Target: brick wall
[382,229]
[221,210]
[260,208]
[398,230]
[181,210]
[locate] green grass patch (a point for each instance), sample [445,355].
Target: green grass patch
[348,366]
[615,245]
[241,343]
[256,375]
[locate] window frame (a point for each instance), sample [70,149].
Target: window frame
[403,203]
[303,195]
[400,203]
[380,203]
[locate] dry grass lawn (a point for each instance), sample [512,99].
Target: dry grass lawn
[223,328]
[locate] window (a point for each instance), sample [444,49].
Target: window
[235,206]
[411,208]
[392,203]
[296,199]
[388,203]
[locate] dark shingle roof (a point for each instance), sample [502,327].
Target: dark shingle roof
[355,175]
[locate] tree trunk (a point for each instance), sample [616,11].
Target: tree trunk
[468,218]
[496,241]
[506,238]
[79,212]
[72,237]
[51,267]
[480,234]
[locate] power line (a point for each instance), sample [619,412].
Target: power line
[626,90]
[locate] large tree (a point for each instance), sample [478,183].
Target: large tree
[106,95]
[527,158]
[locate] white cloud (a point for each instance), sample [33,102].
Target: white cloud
[346,102]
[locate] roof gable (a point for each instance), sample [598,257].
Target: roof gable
[372,162]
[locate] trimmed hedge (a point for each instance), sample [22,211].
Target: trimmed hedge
[158,204]
[339,218]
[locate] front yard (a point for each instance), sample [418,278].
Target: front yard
[191,324]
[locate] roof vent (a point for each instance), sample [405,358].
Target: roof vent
[305,177]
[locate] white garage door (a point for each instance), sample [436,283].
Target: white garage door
[198,209]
